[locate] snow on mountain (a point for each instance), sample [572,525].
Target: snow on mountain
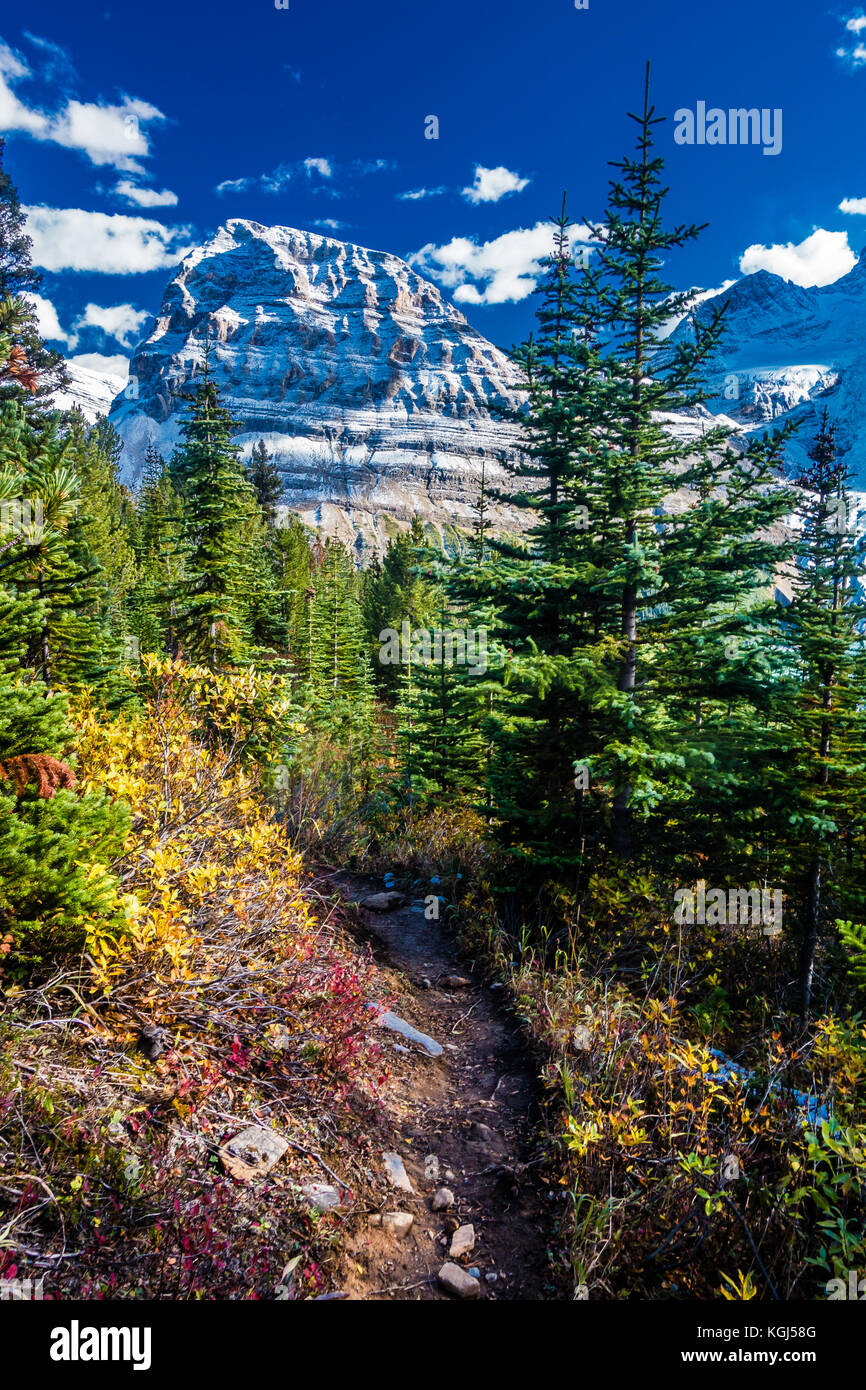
[369,388]
[91,390]
[787,352]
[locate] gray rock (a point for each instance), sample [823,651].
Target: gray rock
[462,1241]
[396,1173]
[386,1019]
[253,1152]
[488,1139]
[383,902]
[320,1195]
[431,1168]
[399,1223]
[457,1282]
[443,1199]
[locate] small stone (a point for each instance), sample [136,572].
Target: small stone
[320,1195]
[482,1134]
[399,1223]
[253,1152]
[443,1199]
[431,1168]
[491,1278]
[396,1172]
[475,1272]
[462,1241]
[404,1051]
[581,1038]
[449,1175]
[491,1142]
[152,1041]
[456,982]
[383,902]
[456,1281]
[387,1019]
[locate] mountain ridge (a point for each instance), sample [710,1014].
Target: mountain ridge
[373,393]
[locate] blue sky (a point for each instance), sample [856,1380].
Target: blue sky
[135,130]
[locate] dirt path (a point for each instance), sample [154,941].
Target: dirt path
[474,1109]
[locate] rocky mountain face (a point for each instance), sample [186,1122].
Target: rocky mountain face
[371,391]
[787,353]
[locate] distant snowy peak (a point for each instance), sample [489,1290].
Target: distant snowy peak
[90,390]
[789,351]
[374,394]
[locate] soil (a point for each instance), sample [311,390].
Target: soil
[476,1108]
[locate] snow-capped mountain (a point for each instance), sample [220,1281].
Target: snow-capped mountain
[369,388]
[788,352]
[90,390]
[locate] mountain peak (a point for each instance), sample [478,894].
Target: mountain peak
[370,389]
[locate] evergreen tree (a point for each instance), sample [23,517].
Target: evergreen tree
[396,590]
[264,479]
[49,559]
[217,501]
[17,279]
[821,781]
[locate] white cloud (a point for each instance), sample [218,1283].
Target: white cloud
[501,271]
[48,322]
[817,260]
[854,55]
[106,133]
[119,321]
[371,166]
[492,184]
[233,185]
[853,205]
[55,64]
[145,197]
[276,181]
[412,195]
[106,365]
[115,244]
[330,224]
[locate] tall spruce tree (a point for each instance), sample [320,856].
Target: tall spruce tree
[821,782]
[217,501]
[264,479]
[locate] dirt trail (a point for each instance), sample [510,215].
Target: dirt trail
[475,1108]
